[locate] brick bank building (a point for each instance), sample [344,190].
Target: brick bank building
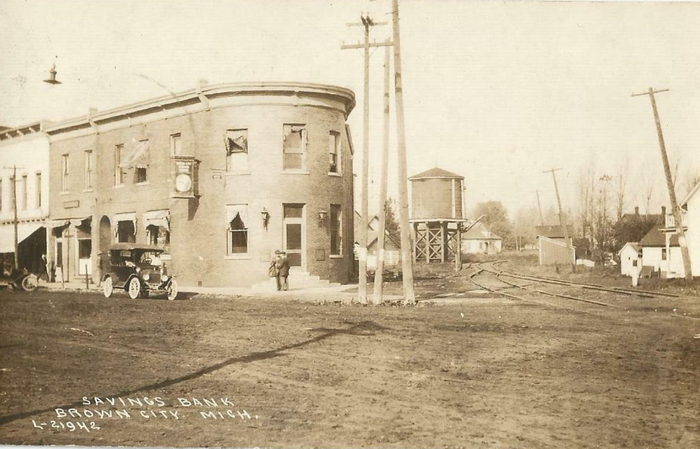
[220,176]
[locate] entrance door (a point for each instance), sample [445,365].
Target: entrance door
[294,240]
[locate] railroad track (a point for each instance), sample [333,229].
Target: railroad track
[498,275]
[620,290]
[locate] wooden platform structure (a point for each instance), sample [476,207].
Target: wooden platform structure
[437,241]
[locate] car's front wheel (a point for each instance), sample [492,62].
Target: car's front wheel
[107,287]
[172,290]
[134,288]
[30,283]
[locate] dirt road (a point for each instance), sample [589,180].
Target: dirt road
[486,372]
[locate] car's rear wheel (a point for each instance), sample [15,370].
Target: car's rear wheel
[172,290]
[134,288]
[107,287]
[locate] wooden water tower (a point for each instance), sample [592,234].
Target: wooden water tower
[437,215]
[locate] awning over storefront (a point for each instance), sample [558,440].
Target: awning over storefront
[131,216]
[57,223]
[76,222]
[157,218]
[7,235]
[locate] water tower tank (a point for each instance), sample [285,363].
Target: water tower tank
[436,194]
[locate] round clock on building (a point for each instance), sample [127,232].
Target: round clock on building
[183,183]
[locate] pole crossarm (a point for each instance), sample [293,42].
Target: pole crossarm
[372,44]
[651,92]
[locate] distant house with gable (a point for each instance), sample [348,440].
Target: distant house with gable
[660,247]
[631,259]
[480,240]
[661,253]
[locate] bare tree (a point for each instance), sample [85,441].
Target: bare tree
[621,188]
[647,189]
[586,186]
[601,223]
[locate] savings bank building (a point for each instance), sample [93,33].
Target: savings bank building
[220,176]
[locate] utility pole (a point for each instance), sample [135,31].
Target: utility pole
[675,208]
[539,207]
[562,222]
[379,272]
[14,207]
[603,224]
[367,23]
[406,247]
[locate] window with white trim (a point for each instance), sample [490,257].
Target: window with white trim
[236,141]
[294,147]
[25,196]
[118,170]
[65,171]
[336,229]
[237,229]
[176,144]
[89,168]
[335,153]
[37,190]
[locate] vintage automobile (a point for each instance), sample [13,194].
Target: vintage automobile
[19,280]
[138,269]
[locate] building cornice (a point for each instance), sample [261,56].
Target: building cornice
[202,95]
[17,132]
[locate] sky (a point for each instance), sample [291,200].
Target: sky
[497,92]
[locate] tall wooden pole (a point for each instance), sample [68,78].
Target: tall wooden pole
[675,208]
[366,23]
[364,194]
[562,222]
[539,207]
[379,273]
[14,221]
[406,247]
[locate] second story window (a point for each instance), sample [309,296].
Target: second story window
[37,190]
[65,171]
[236,150]
[176,144]
[294,147]
[23,192]
[140,160]
[118,170]
[89,167]
[334,152]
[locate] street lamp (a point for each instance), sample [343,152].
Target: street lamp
[52,76]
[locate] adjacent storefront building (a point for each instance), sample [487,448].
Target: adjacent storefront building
[24,168]
[220,176]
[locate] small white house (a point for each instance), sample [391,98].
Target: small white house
[631,259]
[479,240]
[661,254]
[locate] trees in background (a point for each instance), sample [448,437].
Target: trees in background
[496,219]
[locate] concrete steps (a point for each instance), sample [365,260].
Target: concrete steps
[298,280]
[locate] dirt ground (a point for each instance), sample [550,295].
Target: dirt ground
[480,372]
